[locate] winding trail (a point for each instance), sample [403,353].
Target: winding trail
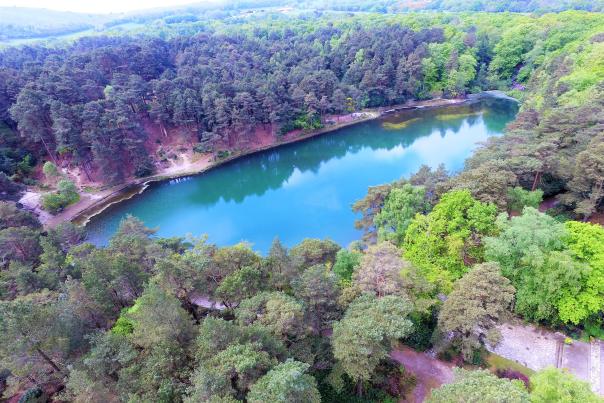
[429,372]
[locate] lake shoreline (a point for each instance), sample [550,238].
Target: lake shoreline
[92,204]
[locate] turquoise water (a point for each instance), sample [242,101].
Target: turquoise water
[306,189]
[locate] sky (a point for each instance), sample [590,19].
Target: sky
[96,6]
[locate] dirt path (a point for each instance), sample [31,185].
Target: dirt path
[429,372]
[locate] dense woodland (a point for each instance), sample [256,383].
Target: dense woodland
[444,259]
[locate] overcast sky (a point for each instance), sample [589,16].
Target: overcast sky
[96,6]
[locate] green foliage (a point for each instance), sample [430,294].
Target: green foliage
[347,261]
[290,73]
[400,207]
[302,122]
[477,304]
[50,170]
[510,50]
[287,382]
[33,395]
[230,373]
[26,165]
[278,312]
[237,286]
[554,385]
[222,154]
[532,253]
[362,338]
[158,317]
[586,243]
[519,198]
[124,326]
[65,195]
[40,336]
[312,251]
[442,242]
[319,290]
[480,386]
[587,183]
[12,216]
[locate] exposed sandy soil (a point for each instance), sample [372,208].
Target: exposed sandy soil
[429,372]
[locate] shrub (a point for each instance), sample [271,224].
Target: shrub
[519,198]
[222,154]
[304,122]
[201,148]
[65,195]
[50,170]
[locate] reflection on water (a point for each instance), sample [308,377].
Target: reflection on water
[306,189]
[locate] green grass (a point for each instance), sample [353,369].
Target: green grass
[90,189]
[498,362]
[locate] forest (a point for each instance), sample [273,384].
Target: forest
[444,259]
[32,23]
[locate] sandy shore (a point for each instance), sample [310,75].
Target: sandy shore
[92,203]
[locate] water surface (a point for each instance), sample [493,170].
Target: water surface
[306,189]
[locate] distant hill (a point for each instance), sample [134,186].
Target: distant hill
[20,23]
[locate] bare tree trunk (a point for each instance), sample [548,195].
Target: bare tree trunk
[536,181]
[48,360]
[360,388]
[51,155]
[86,170]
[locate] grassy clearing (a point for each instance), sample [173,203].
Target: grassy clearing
[498,362]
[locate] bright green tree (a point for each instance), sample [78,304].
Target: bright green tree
[519,198]
[586,243]
[554,385]
[347,261]
[401,205]
[442,242]
[159,317]
[532,253]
